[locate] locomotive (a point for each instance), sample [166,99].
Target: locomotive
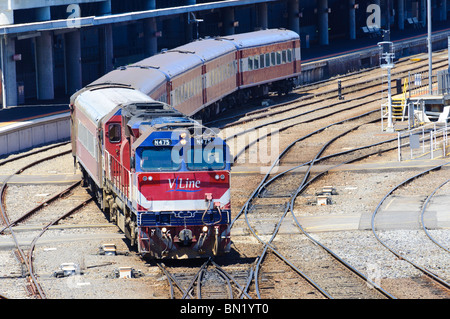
[162,177]
[158,173]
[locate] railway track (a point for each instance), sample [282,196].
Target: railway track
[273,198]
[210,280]
[405,253]
[284,195]
[311,99]
[23,255]
[425,228]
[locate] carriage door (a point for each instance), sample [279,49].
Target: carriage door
[113,139]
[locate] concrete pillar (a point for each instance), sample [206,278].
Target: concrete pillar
[263,22]
[322,10]
[105,8]
[401,14]
[352,21]
[44,58]
[150,29]
[73,61]
[8,68]
[105,37]
[190,26]
[228,21]
[151,41]
[294,20]
[44,66]
[43,14]
[443,10]
[423,12]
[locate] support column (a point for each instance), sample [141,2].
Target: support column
[423,12]
[323,21]
[189,31]
[44,58]
[401,14]
[105,35]
[8,68]
[73,61]
[443,10]
[228,21]
[352,21]
[294,20]
[150,29]
[263,22]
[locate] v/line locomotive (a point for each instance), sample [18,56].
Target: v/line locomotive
[162,177]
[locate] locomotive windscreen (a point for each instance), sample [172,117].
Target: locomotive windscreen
[205,158]
[160,158]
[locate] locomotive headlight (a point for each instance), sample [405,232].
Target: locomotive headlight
[205,229]
[183,135]
[217,177]
[150,178]
[164,230]
[144,178]
[183,142]
[222,177]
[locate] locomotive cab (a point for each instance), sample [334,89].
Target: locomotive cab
[182,189]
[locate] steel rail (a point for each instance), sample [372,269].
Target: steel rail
[264,184]
[40,206]
[191,285]
[302,99]
[225,277]
[423,213]
[33,280]
[396,253]
[288,207]
[294,124]
[240,288]
[9,160]
[282,154]
[54,222]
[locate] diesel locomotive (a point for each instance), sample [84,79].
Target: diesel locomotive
[157,172]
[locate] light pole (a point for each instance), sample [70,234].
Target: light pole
[430,84]
[387,62]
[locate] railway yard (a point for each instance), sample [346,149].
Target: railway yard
[381,233]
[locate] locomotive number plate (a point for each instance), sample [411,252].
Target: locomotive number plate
[162,142]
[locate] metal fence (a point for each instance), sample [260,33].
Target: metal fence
[426,142]
[419,83]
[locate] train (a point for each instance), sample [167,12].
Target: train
[206,77]
[137,136]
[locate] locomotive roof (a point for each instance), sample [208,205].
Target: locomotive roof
[257,38]
[98,103]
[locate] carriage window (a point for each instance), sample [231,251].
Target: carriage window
[114,133]
[289,56]
[256,62]
[250,63]
[272,58]
[278,57]
[267,59]
[283,53]
[261,59]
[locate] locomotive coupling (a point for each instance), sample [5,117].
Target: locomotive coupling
[185,236]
